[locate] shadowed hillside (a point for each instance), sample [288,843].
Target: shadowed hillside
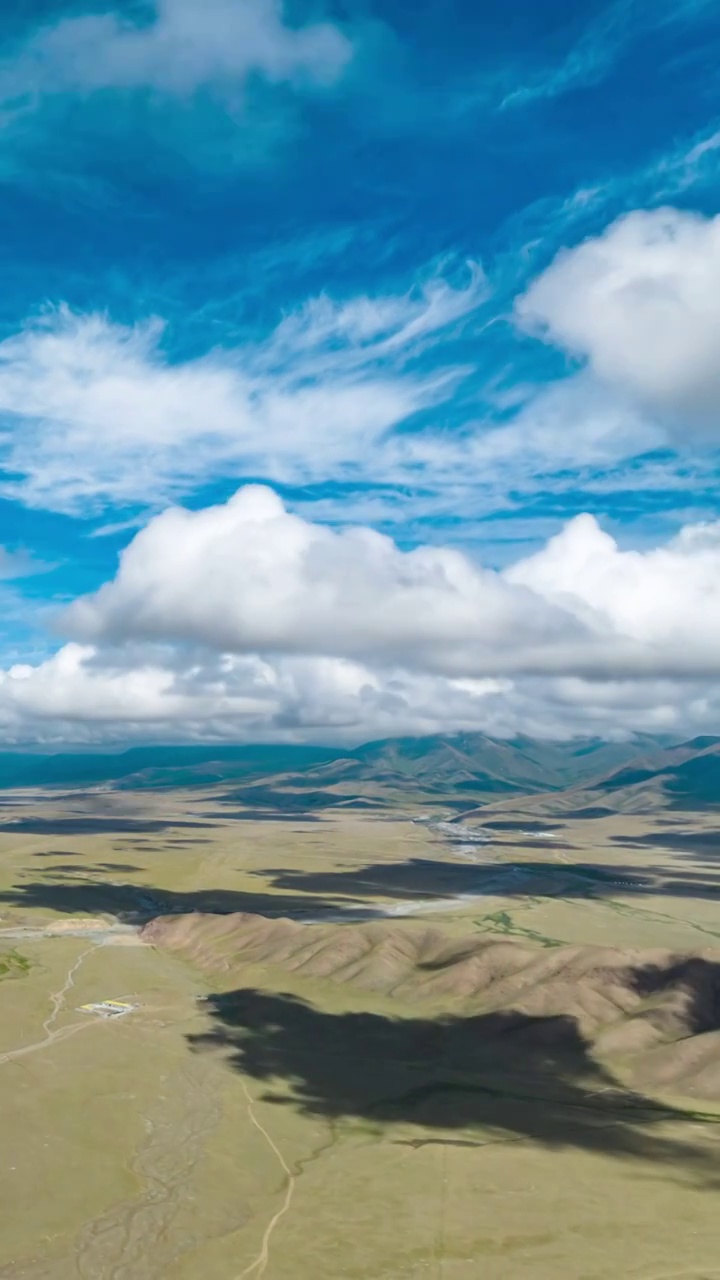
[657,1013]
[444,1074]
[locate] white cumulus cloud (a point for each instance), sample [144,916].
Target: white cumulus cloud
[666,599]
[245,622]
[249,576]
[641,303]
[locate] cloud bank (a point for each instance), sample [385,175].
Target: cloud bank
[244,621]
[86,694]
[248,576]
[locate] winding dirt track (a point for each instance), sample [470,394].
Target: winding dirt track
[259,1265]
[57,999]
[115,1245]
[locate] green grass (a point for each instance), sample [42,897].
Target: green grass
[13,965]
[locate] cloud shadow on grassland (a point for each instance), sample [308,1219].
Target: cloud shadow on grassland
[364,892]
[419,878]
[138,903]
[81,826]
[707,842]
[261,815]
[57,853]
[506,1074]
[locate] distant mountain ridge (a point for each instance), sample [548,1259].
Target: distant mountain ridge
[684,776]
[464,765]
[687,775]
[469,761]
[174,765]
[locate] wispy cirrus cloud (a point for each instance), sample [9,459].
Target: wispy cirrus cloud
[600,43]
[383,396]
[532,236]
[308,401]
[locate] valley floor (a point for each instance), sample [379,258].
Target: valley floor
[325,1103]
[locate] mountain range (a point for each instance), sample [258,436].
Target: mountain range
[458,770]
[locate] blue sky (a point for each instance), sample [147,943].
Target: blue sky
[316,247]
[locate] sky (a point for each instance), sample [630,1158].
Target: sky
[359,369]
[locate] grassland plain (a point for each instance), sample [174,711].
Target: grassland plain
[138,1148]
